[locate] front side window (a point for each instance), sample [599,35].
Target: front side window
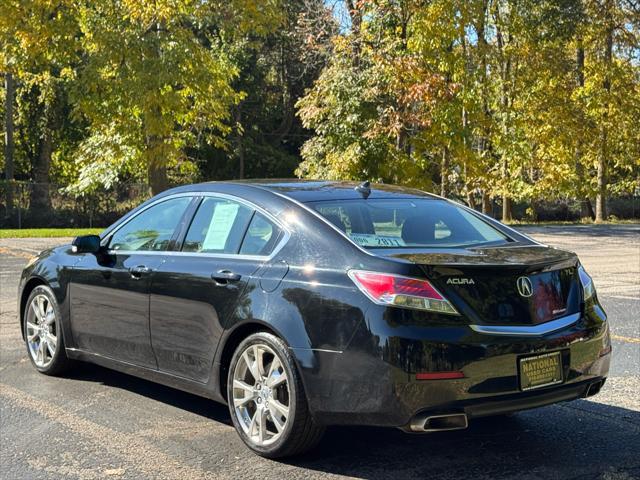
[152,229]
[408,223]
[217,227]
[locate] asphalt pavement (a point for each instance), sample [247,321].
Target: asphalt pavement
[97,423]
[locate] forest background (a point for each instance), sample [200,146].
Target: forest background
[523,109]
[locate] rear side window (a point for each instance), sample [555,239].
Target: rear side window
[408,223]
[152,229]
[217,227]
[262,236]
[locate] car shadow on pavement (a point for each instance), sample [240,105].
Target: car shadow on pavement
[176,398]
[580,439]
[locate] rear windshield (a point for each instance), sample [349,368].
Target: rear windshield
[408,223]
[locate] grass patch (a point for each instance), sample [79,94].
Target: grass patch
[47,232]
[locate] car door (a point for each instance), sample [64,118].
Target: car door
[195,290]
[109,291]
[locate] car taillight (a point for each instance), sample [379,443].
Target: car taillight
[400,291]
[587,283]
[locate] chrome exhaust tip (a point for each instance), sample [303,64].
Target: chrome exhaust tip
[593,389]
[438,423]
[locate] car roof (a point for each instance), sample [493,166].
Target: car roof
[320,190]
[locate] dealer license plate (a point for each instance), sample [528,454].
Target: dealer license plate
[540,371]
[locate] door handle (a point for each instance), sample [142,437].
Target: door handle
[222,277]
[137,272]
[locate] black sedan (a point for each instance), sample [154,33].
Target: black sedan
[304,304]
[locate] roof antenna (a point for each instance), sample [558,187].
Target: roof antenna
[364,189]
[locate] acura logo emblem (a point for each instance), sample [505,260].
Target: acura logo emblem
[524,286]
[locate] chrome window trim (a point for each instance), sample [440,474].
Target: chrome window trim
[526,330]
[279,246]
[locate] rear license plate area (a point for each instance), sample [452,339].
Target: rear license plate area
[540,371]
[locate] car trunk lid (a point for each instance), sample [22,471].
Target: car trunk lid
[515,285]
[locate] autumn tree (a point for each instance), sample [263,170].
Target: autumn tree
[158,75]
[609,98]
[273,72]
[40,51]
[373,100]
[506,104]
[516,100]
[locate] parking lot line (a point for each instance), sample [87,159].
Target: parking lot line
[625,339]
[14,252]
[137,453]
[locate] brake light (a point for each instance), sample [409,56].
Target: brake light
[587,283]
[400,291]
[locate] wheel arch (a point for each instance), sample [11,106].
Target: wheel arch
[29,286]
[231,342]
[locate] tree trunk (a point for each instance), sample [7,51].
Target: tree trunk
[156,165]
[240,160]
[8,141]
[505,103]
[586,211]
[402,141]
[444,173]
[355,15]
[483,47]
[506,199]
[580,63]
[157,175]
[467,187]
[40,202]
[471,202]
[486,203]
[601,176]
[239,148]
[506,208]
[484,144]
[534,210]
[154,143]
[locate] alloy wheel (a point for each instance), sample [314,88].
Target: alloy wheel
[41,331]
[261,394]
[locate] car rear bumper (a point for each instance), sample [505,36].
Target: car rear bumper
[526,400]
[373,381]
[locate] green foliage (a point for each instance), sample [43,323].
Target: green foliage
[482,98]
[523,101]
[274,70]
[159,74]
[146,80]
[103,159]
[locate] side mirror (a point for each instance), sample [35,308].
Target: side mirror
[86,244]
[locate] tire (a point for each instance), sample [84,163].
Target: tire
[43,320]
[263,399]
